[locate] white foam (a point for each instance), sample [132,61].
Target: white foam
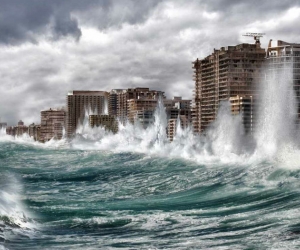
[12,208]
[224,143]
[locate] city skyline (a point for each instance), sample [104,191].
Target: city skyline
[50,49]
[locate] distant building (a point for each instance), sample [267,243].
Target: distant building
[177,109]
[18,130]
[177,106]
[173,123]
[3,125]
[80,101]
[11,130]
[52,124]
[113,103]
[109,122]
[227,72]
[138,103]
[34,131]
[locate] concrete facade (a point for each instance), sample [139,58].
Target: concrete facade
[109,122]
[177,107]
[138,103]
[173,123]
[227,72]
[80,101]
[18,130]
[52,124]
[113,103]
[34,131]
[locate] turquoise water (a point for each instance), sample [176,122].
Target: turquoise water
[66,197]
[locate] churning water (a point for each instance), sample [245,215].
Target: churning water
[135,190]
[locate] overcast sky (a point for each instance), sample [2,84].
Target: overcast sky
[48,47]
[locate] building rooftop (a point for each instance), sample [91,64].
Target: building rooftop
[87,92]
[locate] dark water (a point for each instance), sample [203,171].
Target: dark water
[77,199]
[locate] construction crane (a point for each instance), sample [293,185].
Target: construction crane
[256,36]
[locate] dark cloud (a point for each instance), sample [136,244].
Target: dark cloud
[23,21]
[64,25]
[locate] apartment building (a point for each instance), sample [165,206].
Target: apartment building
[138,103]
[34,131]
[52,124]
[228,72]
[173,124]
[18,130]
[80,101]
[113,103]
[108,122]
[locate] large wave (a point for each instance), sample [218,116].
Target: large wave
[275,139]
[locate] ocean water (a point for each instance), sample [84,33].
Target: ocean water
[136,190]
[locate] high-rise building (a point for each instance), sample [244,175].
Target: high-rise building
[78,102]
[282,58]
[52,124]
[227,72]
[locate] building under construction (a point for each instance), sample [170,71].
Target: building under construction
[228,72]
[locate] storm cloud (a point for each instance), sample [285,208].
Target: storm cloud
[50,47]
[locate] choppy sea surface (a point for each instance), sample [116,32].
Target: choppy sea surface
[76,195]
[136,190]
